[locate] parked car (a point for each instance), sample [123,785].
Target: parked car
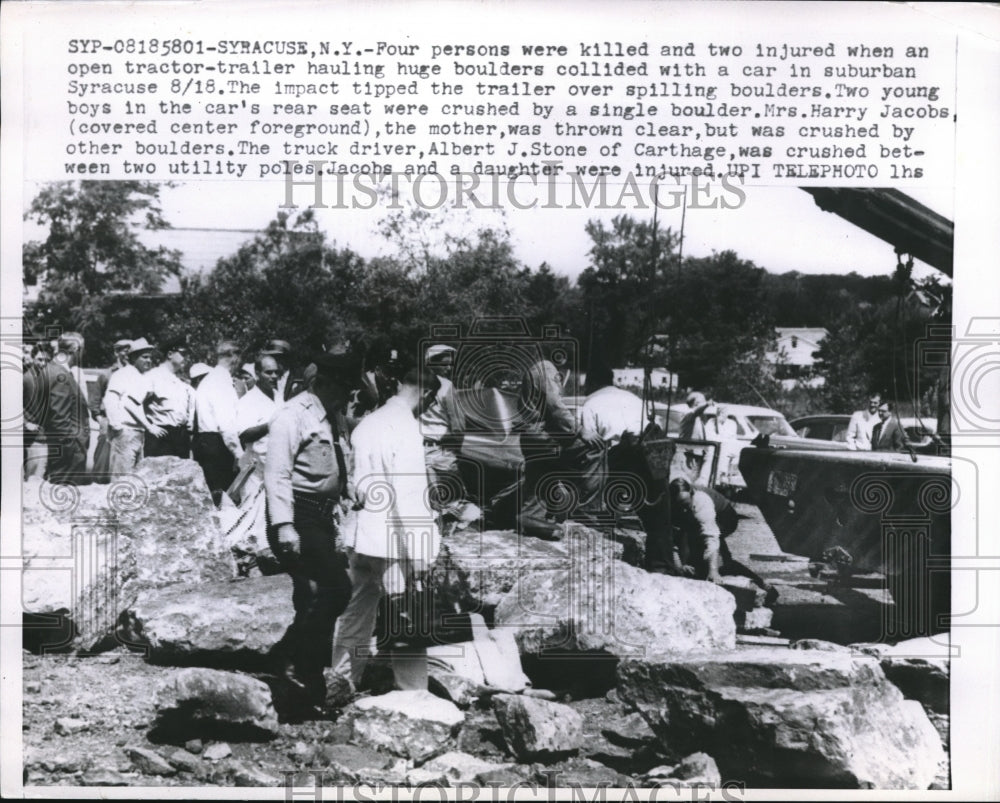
[921,432]
[750,422]
[823,427]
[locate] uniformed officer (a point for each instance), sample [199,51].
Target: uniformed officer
[305,475]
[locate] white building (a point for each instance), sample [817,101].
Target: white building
[795,357]
[634,378]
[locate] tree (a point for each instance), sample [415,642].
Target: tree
[874,348]
[624,289]
[92,255]
[550,299]
[459,269]
[713,313]
[286,282]
[723,328]
[843,361]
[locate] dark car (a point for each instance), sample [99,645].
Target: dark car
[822,427]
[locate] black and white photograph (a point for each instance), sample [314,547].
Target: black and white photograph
[498,402]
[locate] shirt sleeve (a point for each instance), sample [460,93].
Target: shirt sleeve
[589,422]
[557,415]
[226,403]
[704,513]
[415,518]
[279,465]
[899,440]
[113,402]
[246,416]
[32,396]
[853,433]
[133,396]
[366,471]
[452,409]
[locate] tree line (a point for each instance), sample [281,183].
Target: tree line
[710,318]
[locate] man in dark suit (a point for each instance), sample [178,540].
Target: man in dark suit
[888,435]
[65,413]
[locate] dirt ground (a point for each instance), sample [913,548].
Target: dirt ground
[111,697]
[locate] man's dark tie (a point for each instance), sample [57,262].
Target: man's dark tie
[876,434]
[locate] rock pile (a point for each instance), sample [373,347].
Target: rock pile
[688,706]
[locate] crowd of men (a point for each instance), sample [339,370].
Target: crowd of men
[350,466]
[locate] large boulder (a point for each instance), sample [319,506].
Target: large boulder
[778,717]
[808,608]
[224,624]
[479,568]
[612,607]
[147,530]
[921,668]
[212,696]
[535,728]
[411,724]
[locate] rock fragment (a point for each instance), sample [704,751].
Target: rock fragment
[183,760]
[149,761]
[67,726]
[411,724]
[231,624]
[627,612]
[533,728]
[217,751]
[214,695]
[244,774]
[464,767]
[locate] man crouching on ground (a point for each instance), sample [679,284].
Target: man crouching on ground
[305,474]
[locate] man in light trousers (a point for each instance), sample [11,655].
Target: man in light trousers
[394,518]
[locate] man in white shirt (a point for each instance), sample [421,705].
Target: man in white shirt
[609,412]
[257,406]
[247,531]
[281,351]
[692,426]
[170,404]
[859,430]
[217,442]
[124,405]
[396,531]
[718,425]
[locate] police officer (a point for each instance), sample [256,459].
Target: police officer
[305,475]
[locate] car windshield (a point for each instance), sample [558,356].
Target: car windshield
[771,425]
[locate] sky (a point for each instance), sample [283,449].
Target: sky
[777,228]
[780,229]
